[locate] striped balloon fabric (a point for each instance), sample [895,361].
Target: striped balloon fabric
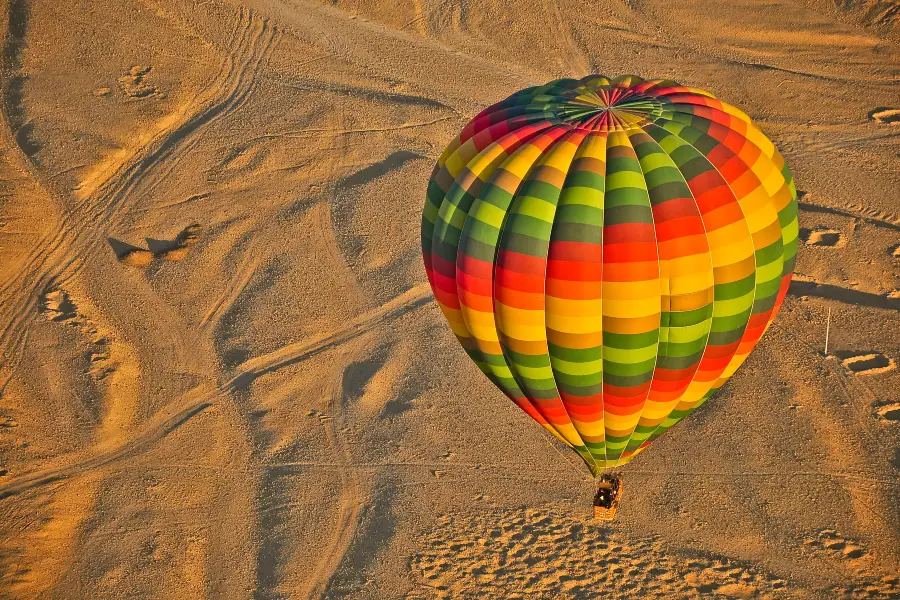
[609,251]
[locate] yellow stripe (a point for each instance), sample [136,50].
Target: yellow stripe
[631,290]
[688,333]
[625,179]
[481,324]
[574,324]
[732,253]
[631,308]
[525,325]
[522,160]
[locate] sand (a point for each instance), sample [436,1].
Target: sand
[222,374]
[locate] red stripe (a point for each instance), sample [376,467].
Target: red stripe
[523,263]
[573,290]
[675,208]
[474,266]
[574,271]
[675,228]
[632,271]
[474,284]
[628,233]
[522,282]
[519,299]
[576,251]
[626,253]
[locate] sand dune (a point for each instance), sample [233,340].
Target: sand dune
[222,373]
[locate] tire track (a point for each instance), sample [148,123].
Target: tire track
[573,57]
[108,188]
[194,404]
[877,218]
[148,437]
[351,496]
[420,18]
[104,195]
[232,291]
[254,368]
[18,13]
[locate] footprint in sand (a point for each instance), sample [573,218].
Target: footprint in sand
[887,115]
[542,553]
[318,414]
[889,413]
[832,544]
[58,307]
[869,364]
[135,84]
[828,238]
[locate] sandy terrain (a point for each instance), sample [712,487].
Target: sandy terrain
[222,373]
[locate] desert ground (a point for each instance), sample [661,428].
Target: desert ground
[222,371]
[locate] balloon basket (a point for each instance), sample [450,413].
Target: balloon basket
[607,499]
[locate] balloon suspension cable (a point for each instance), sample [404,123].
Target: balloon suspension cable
[609,492]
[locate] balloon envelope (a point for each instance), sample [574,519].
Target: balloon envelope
[608,252]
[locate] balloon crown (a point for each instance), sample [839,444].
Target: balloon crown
[596,102]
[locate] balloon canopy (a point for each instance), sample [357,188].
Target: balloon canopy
[609,251]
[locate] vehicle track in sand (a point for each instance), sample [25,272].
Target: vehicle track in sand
[232,291]
[572,55]
[104,194]
[351,495]
[198,401]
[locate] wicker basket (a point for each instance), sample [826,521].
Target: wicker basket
[606,501]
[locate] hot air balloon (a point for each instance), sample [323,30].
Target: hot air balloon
[608,252]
